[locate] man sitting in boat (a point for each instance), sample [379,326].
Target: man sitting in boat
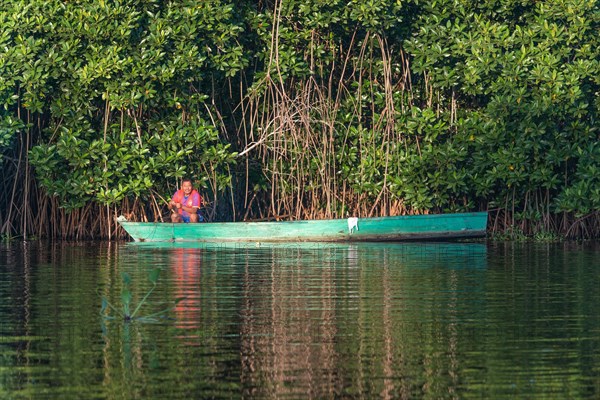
[185,204]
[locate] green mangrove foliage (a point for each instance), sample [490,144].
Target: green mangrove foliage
[525,78]
[306,109]
[114,99]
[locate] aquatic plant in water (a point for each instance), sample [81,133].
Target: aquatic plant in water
[126,297]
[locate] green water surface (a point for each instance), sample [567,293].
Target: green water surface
[296,321]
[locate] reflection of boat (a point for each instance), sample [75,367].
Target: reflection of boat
[421,255]
[413,227]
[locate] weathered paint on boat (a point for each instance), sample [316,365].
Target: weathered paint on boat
[413,227]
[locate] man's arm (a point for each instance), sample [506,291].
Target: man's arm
[190,210]
[173,204]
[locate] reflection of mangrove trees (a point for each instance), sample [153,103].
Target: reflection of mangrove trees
[312,110]
[409,322]
[386,321]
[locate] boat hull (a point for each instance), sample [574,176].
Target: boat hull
[400,228]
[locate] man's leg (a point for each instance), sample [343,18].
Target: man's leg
[175,218]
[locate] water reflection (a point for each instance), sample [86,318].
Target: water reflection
[186,266]
[303,313]
[417,320]
[288,325]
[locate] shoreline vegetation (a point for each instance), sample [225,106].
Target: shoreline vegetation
[299,110]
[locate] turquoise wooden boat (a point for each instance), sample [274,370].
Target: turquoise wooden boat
[400,228]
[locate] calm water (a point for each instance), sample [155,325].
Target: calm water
[423,321]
